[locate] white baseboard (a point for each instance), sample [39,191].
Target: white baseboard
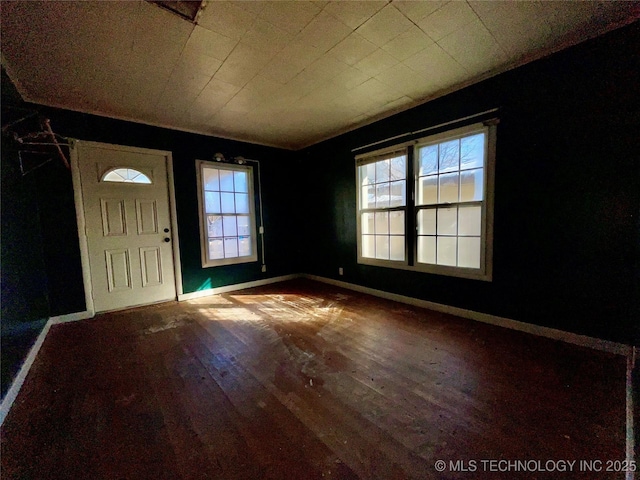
[237,286]
[72,317]
[10,397]
[568,337]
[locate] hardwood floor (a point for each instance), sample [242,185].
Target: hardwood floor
[300,380]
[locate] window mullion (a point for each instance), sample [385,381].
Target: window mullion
[410,220]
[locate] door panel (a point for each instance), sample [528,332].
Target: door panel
[128,226]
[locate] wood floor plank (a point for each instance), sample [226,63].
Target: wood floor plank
[301,380]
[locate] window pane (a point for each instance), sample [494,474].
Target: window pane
[226,180]
[428,190]
[398,195]
[212,202]
[211,179]
[368,246]
[368,197]
[447,221]
[215,249]
[449,156]
[227,203]
[470,220]
[382,195]
[243,225]
[230,247]
[448,188]
[382,171]
[368,174]
[214,223]
[396,248]
[399,168]
[396,223]
[242,203]
[428,160]
[229,225]
[367,223]
[427,222]
[469,252]
[240,181]
[427,250]
[382,247]
[471,185]
[244,246]
[472,151]
[447,251]
[382,222]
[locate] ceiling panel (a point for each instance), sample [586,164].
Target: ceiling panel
[283,73]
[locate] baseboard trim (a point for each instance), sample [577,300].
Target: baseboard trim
[72,317]
[12,394]
[555,334]
[234,287]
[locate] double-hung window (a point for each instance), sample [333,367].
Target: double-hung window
[428,206]
[227,217]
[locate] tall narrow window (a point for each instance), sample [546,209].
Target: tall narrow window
[449,199]
[227,218]
[383,208]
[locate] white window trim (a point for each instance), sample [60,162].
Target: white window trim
[204,238]
[485,272]
[365,160]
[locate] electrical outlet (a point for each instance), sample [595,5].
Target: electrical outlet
[340,271]
[264,268]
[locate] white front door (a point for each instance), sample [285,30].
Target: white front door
[125,196]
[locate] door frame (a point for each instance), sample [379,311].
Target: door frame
[80,217]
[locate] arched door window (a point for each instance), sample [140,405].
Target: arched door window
[125,175]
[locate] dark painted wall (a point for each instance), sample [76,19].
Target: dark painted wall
[566,249]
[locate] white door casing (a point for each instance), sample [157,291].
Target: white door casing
[128,227]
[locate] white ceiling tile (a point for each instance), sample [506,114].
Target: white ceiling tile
[242,65]
[226,18]
[324,32]
[385,25]
[217,91]
[263,85]
[474,48]
[437,65]
[184,83]
[376,62]
[447,19]
[281,71]
[264,36]
[484,7]
[327,67]
[253,6]
[292,16]
[212,44]
[299,53]
[351,78]
[408,43]
[416,10]
[405,80]
[354,13]
[198,63]
[352,49]
[302,84]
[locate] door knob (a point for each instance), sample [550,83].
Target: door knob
[167,239]
[166,230]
